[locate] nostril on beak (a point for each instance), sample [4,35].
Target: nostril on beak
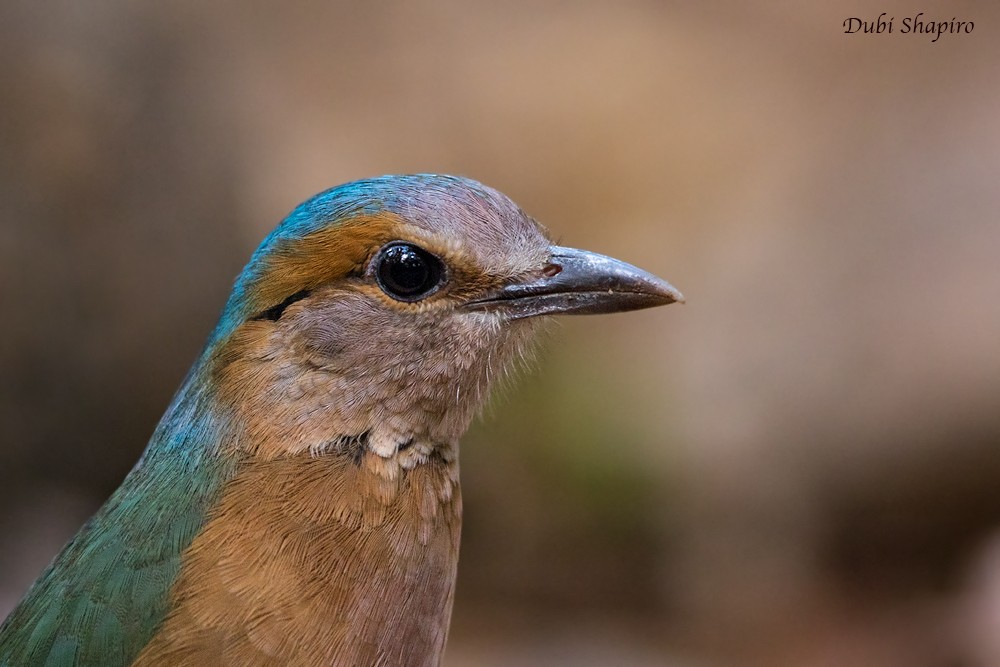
[551,270]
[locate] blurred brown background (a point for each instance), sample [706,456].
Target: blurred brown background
[799,467]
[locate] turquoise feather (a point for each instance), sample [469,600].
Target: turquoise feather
[103,597]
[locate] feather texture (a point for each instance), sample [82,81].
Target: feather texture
[319,561]
[104,596]
[299,504]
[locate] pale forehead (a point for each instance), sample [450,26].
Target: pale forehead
[484,223]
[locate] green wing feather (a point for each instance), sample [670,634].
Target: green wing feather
[104,596]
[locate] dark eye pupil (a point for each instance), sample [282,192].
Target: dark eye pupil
[408,273]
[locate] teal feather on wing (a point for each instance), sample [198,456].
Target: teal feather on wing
[104,596]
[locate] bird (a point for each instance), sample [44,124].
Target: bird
[299,501]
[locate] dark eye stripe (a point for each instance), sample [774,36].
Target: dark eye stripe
[274,312]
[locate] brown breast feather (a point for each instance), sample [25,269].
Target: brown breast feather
[319,560]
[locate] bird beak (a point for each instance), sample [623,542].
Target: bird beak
[580,282]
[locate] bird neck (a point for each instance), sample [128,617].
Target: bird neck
[341,557]
[333,541]
[287,402]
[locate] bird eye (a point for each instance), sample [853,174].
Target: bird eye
[408,273]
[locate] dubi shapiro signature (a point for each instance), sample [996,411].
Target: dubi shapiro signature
[910,25]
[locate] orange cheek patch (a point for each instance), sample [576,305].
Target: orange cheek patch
[329,254]
[341,249]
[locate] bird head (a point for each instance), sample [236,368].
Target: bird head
[369,327]
[385,308]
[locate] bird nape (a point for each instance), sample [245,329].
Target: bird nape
[299,502]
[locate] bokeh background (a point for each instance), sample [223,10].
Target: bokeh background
[801,466]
